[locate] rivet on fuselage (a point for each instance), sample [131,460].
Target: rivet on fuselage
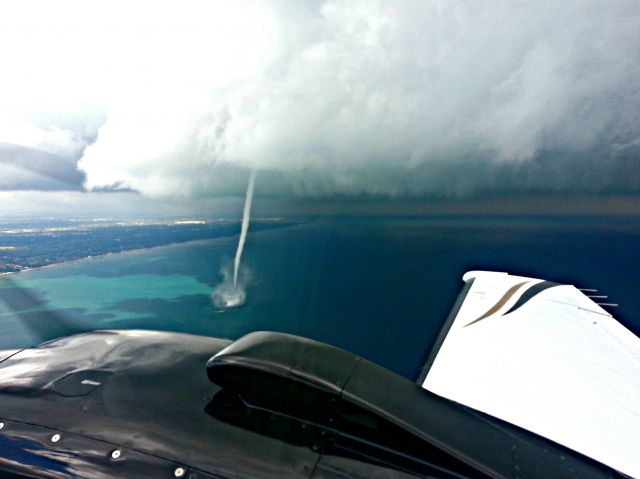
[1,425]
[116,453]
[179,472]
[55,438]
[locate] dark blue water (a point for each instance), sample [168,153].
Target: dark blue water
[378,287]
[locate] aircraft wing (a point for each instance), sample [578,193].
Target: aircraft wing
[547,358]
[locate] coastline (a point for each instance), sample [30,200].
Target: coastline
[148,248]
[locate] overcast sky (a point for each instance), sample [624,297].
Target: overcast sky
[427,99]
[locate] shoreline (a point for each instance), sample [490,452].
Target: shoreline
[134,250]
[111,253]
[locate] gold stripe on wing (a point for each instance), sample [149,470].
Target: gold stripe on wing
[501,302]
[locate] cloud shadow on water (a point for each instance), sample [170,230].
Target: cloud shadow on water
[27,318]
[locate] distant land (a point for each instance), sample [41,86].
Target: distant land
[38,242]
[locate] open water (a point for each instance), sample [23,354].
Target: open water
[379,287]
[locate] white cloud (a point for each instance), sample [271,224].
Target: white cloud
[335,96]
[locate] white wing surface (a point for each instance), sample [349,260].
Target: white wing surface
[545,357]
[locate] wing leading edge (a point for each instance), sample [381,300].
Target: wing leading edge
[545,357]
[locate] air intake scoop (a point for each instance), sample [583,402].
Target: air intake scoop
[264,359]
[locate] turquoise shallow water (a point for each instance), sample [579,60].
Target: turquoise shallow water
[378,287]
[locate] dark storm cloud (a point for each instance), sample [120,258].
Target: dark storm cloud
[446,98]
[23,168]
